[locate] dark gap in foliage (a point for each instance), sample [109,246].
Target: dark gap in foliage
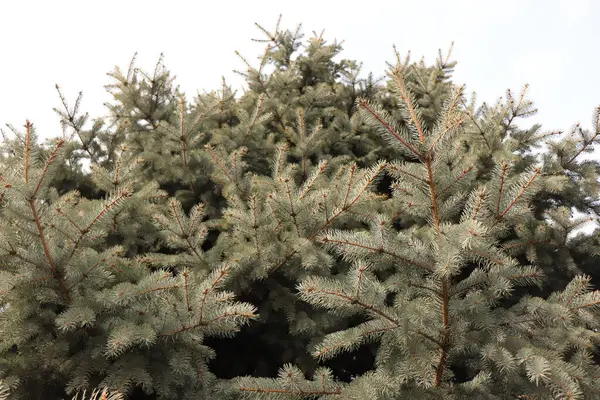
[349,365]
[384,185]
[258,349]
[138,394]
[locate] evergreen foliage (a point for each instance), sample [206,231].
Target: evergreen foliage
[319,236]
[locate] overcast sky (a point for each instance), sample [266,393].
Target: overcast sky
[551,44]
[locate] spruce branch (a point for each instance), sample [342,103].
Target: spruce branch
[108,258]
[503,169]
[109,206]
[117,166]
[290,383]
[28,126]
[589,141]
[473,119]
[184,228]
[331,240]
[60,212]
[432,195]
[182,137]
[230,314]
[445,333]
[521,192]
[234,171]
[13,252]
[105,210]
[311,180]
[414,114]
[398,169]
[334,344]
[256,114]
[53,268]
[383,120]
[360,189]
[445,286]
[334,296]
[69,118]
[464,172]
[591,300]
[475,205]
[292,211]
[448,128]
[215,312]
[185,275]
[156,289]
[487,256]
[217,278]
[523,108]
[352,169]
[98,394]
[405,95]
[49,161]
[36,218]
[291,392]
[524,243]
[258,75]
[278,165]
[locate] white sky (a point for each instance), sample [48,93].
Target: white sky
[551,44]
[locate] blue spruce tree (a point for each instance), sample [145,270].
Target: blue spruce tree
[321,235]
